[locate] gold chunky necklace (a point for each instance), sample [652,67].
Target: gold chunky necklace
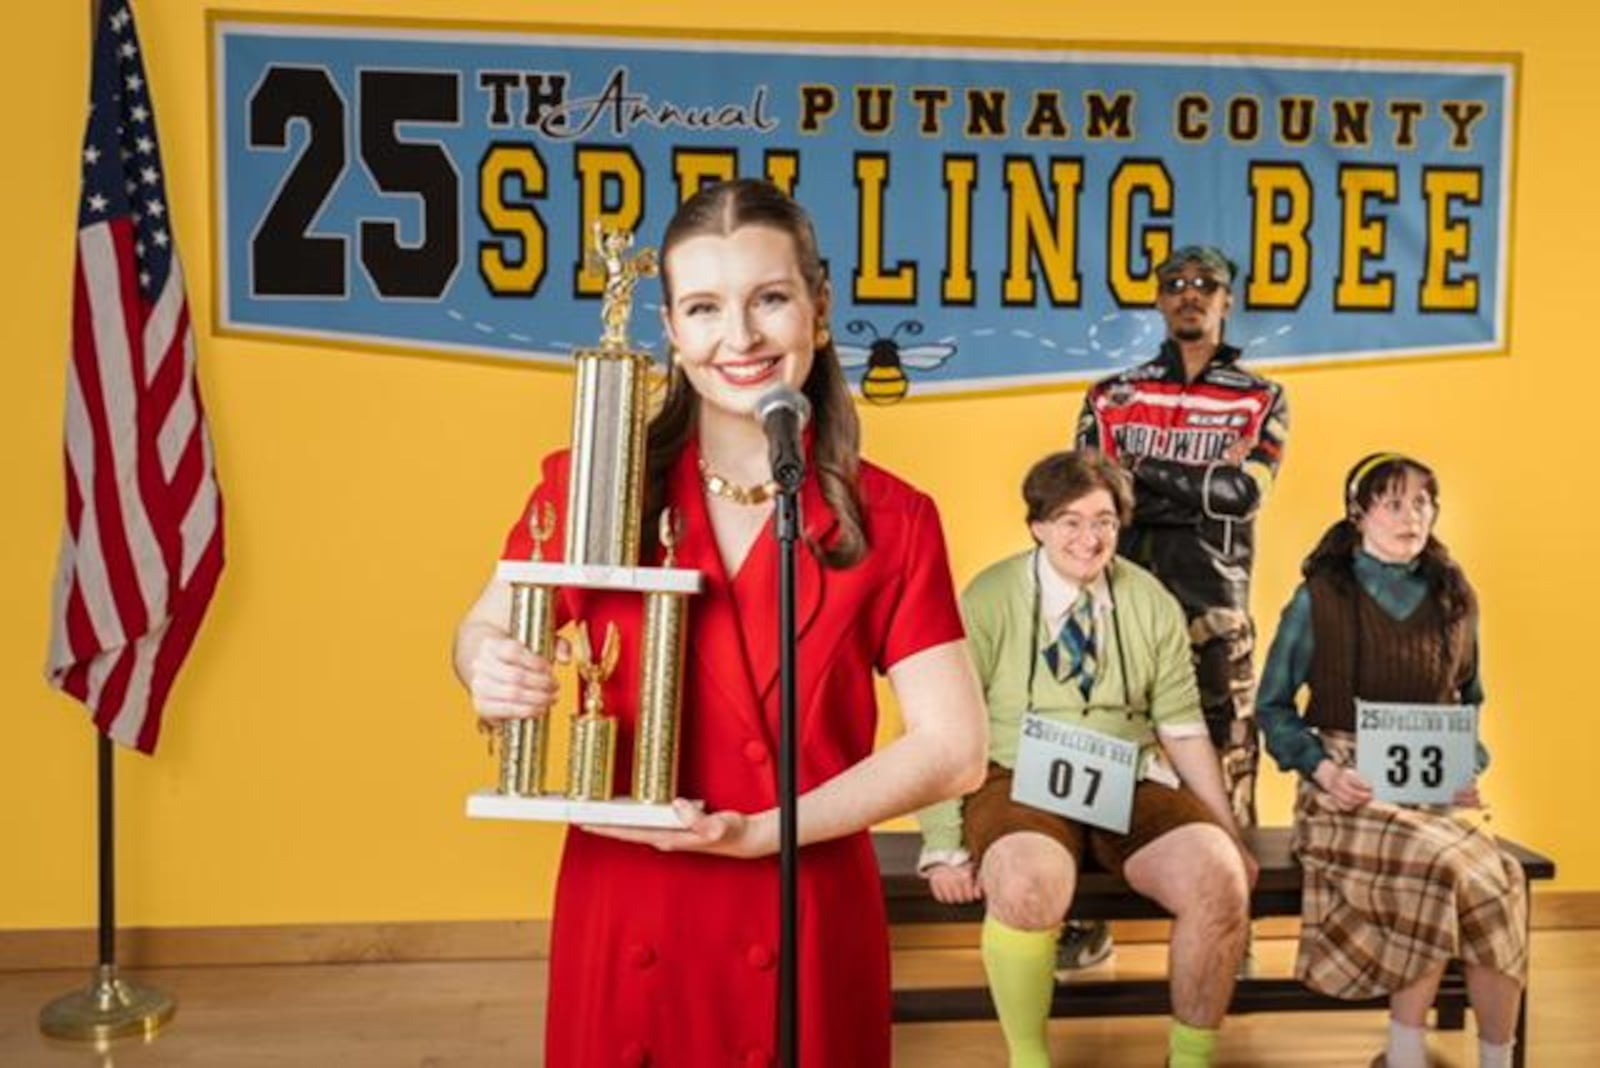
[718,486]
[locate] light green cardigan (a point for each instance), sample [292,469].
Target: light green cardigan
[998,610]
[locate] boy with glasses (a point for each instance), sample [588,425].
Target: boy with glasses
[1096,747]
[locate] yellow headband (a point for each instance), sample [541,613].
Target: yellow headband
[1365,468]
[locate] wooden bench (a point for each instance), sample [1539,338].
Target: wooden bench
[1104,897]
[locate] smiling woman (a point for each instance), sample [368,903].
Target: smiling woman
[741,318]
[664,942]
[746,308]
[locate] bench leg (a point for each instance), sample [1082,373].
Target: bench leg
[1450,1013]
[1519,1052]
[1450,1001]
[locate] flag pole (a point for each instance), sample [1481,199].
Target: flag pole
[110,1007]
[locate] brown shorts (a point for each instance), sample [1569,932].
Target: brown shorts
[989,814]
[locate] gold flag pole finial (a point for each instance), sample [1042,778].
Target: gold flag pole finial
[609,253]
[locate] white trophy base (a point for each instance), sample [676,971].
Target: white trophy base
[601,576]
[619,812]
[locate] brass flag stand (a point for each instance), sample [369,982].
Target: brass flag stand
[110,1007]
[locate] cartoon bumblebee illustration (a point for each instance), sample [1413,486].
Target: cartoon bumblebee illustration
[885,380]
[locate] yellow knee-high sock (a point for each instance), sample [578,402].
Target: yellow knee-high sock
[1190,1047]
[1021,981]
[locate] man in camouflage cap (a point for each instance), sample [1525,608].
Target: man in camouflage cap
[1202,438]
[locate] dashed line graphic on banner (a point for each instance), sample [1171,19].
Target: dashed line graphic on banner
[1118,338]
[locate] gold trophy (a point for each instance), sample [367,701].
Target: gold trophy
[604,502]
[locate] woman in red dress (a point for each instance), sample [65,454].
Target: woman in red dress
[664,943]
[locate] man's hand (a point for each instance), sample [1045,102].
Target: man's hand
[954,884]
[1239,451]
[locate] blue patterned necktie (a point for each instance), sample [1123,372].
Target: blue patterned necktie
[1072,653]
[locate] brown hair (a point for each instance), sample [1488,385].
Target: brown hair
[1063,477]
[719,210]
[1373,477]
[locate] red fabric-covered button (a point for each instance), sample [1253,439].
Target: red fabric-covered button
[641,955]
[760,957]
[755,752]
[634,1055]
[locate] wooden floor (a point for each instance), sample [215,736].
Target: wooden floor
[488,1015]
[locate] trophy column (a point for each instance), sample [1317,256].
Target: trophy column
[655,743]
[524,743]
[655,761]
[606,492]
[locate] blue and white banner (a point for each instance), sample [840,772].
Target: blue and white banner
[992,212]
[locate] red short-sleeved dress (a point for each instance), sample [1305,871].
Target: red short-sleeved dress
[671,959]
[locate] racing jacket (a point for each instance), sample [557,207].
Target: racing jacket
[1194,511]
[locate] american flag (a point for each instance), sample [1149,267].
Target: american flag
[142,547]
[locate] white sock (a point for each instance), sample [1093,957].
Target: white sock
[1493,1056]
[1408,1046]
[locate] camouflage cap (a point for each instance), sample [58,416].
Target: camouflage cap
[1206,257]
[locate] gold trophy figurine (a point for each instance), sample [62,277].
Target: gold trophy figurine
[541,524]
[669,528]
[594,734]
[609,253]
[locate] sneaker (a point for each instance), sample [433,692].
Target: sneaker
[1083,944]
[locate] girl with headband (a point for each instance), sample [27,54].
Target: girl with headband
[1392,891]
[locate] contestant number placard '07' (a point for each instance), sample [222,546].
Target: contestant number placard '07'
[1416,753]
[1075,772]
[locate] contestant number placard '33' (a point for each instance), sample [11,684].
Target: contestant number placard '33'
[1416,753]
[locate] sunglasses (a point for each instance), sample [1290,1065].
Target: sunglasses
[1205,285]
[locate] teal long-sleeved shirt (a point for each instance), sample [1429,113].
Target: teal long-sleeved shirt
[1399,590]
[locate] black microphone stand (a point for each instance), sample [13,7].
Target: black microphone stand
[788,531]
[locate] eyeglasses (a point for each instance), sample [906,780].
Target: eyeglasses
[1074,527]
[1422,504]
[1204,284]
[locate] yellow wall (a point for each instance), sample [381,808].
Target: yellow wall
[318,749]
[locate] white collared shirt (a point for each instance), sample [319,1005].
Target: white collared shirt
[1057,595]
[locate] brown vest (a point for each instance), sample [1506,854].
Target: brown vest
[1419,658]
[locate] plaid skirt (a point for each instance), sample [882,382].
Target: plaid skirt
[1393,891]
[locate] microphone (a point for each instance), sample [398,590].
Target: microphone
[782,411]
